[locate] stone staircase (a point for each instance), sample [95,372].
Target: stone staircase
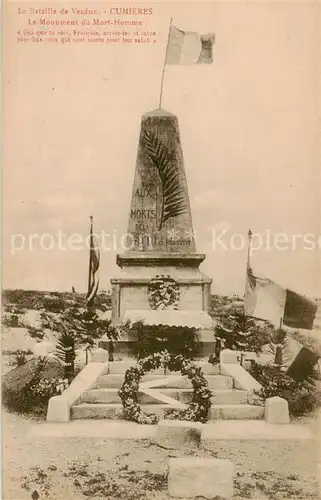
[103,402]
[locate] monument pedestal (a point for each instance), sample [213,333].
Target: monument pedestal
[130,301]
[130,288]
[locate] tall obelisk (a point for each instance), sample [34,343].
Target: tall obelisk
[160,216]
[160,236]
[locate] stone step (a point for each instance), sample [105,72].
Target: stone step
[228,396]
[236,412]
[120,367]
[96,411]
[111,396]
[214,381]
[219,397]
[115,411]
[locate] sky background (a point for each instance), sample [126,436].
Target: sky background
[248,125]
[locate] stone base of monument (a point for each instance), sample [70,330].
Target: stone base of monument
[128,345]
[100,399]
[175,434]
[191,477]
[276,411]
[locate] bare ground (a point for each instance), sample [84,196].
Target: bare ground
[80,468]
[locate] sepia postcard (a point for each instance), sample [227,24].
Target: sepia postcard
[161,293]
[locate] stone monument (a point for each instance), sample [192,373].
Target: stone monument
[160,243]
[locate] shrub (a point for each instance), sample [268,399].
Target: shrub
[77,328]
[221,306]
[18,357]
[274,381]
[26,299]
[12,319]
[66,353]
[32,299]
[36,332]
[103,301]
[240,332]
[53,303]
[28,388]
[302,397]
[303,401]
[42,390]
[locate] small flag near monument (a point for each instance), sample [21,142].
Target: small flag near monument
[267,300]
[189,47]
[299,311]
[94,260]
[264,299]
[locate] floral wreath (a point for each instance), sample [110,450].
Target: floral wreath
[198,409]
[163,292]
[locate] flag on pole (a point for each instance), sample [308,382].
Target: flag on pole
[299,311]
[94,260]
[264,299]
[188,47]
[267,300]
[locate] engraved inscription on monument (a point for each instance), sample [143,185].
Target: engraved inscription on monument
[160,216]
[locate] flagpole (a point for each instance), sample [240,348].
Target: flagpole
[90,247]
[89,274]
[282,317]
[164,65]
[249,247]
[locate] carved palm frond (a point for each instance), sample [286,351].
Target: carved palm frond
[174,200]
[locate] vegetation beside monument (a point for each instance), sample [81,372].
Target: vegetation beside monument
[303,397]
[78,328]
[28,388]
[24,300]
[241,332]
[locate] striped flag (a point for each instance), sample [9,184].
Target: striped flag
[94,260]
[188,47]
[265,299]
[299,311]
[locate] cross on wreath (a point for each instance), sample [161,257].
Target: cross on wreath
[145,386]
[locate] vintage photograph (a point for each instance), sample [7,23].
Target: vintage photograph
[161,293]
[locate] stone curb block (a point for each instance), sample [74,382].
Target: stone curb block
[99,356]
[277,411]
[174,434]
[228,356]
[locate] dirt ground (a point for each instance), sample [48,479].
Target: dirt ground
[80,468]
